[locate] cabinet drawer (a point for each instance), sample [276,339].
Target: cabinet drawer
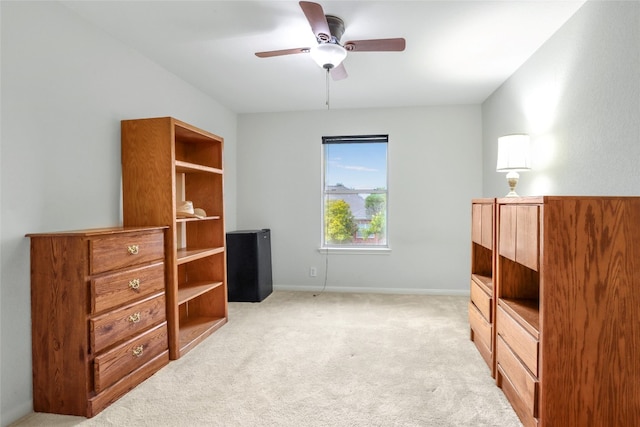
[524,383]
[129,356]
[121,323]
[481,328]
[521,342]
[125,250]
[482,300]
[119,288]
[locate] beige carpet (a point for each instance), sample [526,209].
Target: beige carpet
[335,359]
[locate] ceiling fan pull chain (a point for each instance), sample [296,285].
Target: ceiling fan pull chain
[327,80]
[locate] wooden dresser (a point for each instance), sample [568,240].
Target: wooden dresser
[567,310]
[98,316]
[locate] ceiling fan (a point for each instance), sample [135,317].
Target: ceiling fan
[329,53]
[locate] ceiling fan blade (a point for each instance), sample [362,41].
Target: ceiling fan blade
[317,20]
[271,53]
[376,45]
[339,72]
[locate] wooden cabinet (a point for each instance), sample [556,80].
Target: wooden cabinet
[568,309]
[98,316]
[165,162]
[481,305]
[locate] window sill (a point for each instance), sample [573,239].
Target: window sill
[355,251]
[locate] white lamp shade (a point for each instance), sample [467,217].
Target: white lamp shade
[328,55]
[513,153]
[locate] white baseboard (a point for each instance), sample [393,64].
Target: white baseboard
[358,289]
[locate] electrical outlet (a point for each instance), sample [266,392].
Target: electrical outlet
[313,272]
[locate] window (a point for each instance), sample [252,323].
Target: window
[354,191]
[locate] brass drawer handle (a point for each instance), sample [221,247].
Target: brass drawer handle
[137,352]
[134,284]
[134,318]
[133,249]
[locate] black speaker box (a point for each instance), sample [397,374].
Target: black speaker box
[249,277]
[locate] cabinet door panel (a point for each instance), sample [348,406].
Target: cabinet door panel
[508,232]
[487,226]
[527,235]
[476,223]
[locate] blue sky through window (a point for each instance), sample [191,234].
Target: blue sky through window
[359,165]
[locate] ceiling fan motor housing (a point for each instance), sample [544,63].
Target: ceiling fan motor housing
[336,27]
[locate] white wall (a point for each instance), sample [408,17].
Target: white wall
[579,99]
[434,171]
[65,88]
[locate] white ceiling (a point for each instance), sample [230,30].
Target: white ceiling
[458,52]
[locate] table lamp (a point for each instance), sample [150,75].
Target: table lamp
[513,157]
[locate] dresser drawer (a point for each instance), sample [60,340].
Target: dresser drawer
[481,328]
[112,290]
[113,365]
[124,322]
[481,300]
[523,344]
[117,251]
[523,382]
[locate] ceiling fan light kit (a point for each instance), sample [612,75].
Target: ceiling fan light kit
[329,53]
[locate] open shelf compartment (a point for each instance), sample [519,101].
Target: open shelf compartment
[201,315]
[197,147]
